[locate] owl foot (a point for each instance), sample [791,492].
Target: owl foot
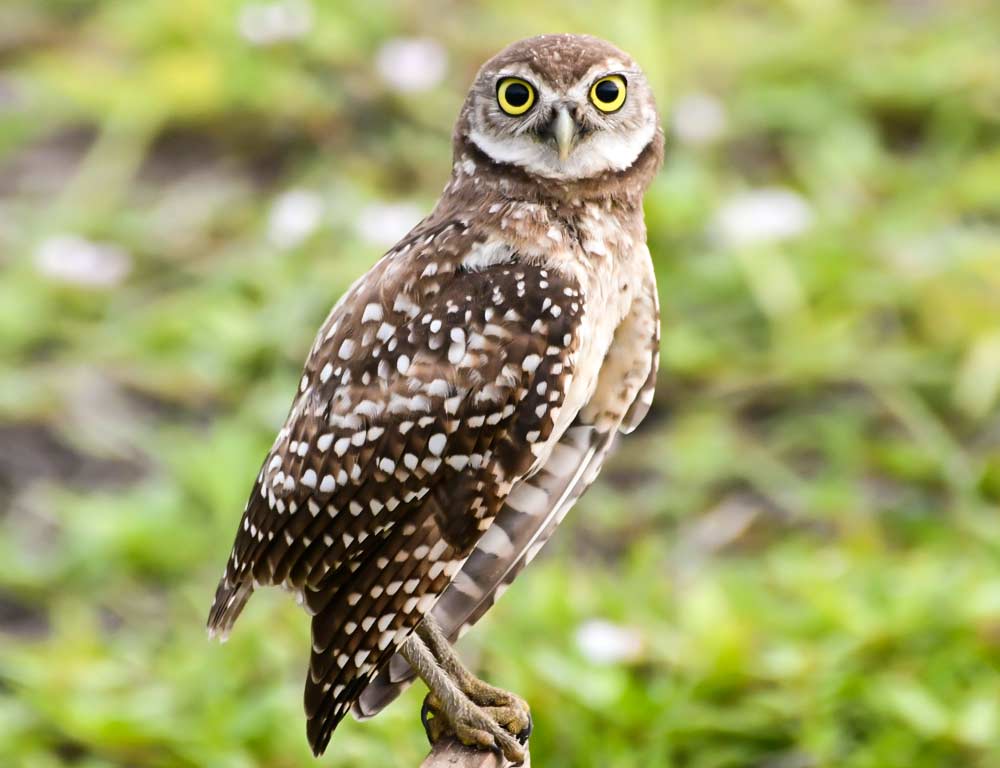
[509,710]
[500,723]
[494,728]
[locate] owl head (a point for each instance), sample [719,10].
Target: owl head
[561,107]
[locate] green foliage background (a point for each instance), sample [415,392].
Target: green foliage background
[805,534]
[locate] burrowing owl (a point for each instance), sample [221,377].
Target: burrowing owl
[464,392]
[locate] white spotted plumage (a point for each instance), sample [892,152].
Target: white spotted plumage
[463,393]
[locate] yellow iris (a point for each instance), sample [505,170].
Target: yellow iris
[608,93]
[515,96]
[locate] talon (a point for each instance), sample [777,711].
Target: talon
[425,710]
[435,724]
[525,733]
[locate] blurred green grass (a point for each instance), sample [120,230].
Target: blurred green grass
[804,537]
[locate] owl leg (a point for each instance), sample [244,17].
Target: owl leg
[469,723]
[508,709]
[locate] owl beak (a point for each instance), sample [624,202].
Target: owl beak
[564,130]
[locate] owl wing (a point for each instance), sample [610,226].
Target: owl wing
[431,389]
[538,503]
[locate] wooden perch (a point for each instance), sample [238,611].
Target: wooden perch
[448,753]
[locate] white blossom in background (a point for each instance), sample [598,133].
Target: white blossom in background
[762,216]
[721,527]
[603,642]
[383,224]
[282,21]
[411,64]
[294,216]
[925,254]
[73,259]
[699,119]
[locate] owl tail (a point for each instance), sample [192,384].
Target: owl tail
[229,601]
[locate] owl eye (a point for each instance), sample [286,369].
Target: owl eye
[515,96]
[608,93]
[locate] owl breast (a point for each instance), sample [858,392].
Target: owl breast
[610,261]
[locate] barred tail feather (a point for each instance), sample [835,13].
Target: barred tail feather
[229,601]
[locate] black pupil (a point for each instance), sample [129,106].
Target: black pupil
[606,91]
[517,94]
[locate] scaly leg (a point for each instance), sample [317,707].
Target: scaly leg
[508,709]
[470,724]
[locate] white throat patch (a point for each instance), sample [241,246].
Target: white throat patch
[601,151]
